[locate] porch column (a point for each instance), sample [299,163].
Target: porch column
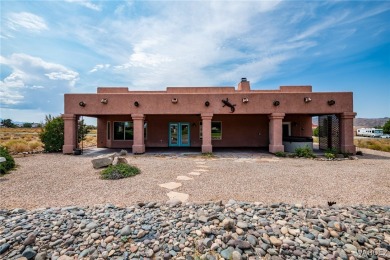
[206,133]
[138,133]
[276,132]
[70,133]
[346,132]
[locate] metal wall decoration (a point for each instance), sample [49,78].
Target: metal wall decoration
[331,102]
[174,100]
[136,103]
[82,104]
[307,99]
[228,104]
[207,103]
[104,101]
[276,103]
[329,132]
[245,100]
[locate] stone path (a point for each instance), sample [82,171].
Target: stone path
[183,197]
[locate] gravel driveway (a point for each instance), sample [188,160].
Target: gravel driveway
[51,180]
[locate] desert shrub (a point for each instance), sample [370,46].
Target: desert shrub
[119,171]
[377,144]
[330,155]
[306,152]
[280,154]
[34,145]
[17,146]
[9,164]
[52,135]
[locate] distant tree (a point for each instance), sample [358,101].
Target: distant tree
[8,123]
[52,134]
[27,125]
[316,131]
[83,130]
[386,127]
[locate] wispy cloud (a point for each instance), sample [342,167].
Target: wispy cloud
[86,3]
[99,67]
[25,20]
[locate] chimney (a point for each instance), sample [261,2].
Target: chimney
[244,85]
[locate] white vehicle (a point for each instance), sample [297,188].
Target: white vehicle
[369,132]
[385,136]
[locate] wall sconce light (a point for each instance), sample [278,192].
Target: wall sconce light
[193,124]
[245,100]
[307,99]
[174,100]
[104,101]
[207,103]
[136,103]
[276,103]
[331,102]
[82,104]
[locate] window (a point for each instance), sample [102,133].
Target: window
[146,130]
[216,130]
[123,130]
[108,130]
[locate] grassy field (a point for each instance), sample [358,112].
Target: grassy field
[19,140]
[378,144]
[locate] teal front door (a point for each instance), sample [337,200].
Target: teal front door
[179,134]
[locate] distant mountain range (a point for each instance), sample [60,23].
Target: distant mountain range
[363,122]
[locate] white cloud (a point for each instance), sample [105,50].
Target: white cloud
[100,67]
[86,3]
[33,81]
[25,20]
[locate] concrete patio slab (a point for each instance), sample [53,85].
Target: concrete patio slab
[183,197]
[184,178]
[194,173]
[170,185]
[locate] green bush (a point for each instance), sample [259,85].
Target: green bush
[280,154]
[306,152]
[330,155]
[119,171]
[52,135]
[9,164]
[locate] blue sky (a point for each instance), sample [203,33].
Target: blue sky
[49,48]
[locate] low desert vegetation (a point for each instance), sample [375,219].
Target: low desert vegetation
[119,171]
[306,152]
[9,164]
[374,144]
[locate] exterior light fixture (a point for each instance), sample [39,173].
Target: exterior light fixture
[82,104]
[193,124]
[136,103]
[104,101]
[307,99]
[245,100]
[174,100]
[331,102]
[207,103]
[276,103]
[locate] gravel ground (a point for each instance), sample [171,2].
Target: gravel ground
[52,180]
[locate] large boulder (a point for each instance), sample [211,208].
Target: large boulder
[101,162]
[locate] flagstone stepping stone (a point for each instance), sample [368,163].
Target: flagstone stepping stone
[184,178]
[170,185]
[201,170]
[183,197]
[194,173]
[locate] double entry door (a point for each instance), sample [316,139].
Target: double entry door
[179,134]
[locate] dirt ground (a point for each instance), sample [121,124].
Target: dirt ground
[51,180]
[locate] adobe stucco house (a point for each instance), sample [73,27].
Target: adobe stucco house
[208,117]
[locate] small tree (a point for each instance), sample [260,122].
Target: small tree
[386,127]
[52,135]
[82,130]
[8,123]
[27,125]
[9,163]
[315,131]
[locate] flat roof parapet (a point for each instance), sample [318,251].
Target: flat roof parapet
[295,89]
[200,90]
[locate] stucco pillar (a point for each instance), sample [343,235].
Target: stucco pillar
[138,132]
[276,132]
[70,133]
[346,132]
[206,133]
